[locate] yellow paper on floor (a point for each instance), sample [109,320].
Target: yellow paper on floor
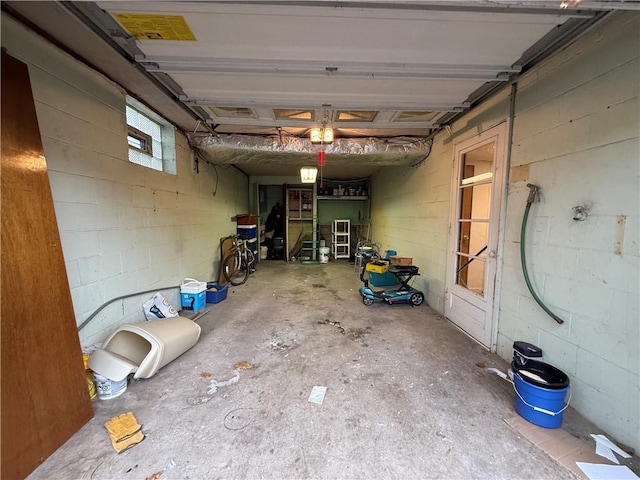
[124,431]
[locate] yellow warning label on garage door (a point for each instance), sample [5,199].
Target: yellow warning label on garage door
[156,27]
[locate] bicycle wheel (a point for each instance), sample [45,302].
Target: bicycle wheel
[234,269]
[251,261]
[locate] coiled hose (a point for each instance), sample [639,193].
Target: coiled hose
[533,195]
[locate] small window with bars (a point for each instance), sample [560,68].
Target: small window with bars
[151,141]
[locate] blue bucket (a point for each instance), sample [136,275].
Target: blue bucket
[538,405]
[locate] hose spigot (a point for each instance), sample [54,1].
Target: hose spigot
[534,193]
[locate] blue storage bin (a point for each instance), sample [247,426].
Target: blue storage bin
[219,295]
[390,253]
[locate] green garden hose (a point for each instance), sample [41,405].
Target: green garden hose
[533,194]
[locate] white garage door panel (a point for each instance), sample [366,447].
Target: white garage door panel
[416,91]
[346,34]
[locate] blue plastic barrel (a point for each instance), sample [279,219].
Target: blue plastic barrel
[541,406]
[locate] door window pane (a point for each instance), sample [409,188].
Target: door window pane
[473,239]
[476,177]
[470,274]
[475,202]
[477,163]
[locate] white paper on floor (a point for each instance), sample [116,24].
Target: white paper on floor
[605,448]
[214,384]
[596,471]
[317,394]
[606,452]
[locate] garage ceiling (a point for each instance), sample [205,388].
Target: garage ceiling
[248,79]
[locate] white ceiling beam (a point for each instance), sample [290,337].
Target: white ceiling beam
[352,69]
[309,123]
[372,104]
[365,8]
[569,7]
[315,65]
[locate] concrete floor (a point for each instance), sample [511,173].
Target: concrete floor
[405,399]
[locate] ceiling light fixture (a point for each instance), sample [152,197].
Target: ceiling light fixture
[322,135]
[569,3]
[308,174]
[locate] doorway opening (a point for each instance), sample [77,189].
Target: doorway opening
[271,219]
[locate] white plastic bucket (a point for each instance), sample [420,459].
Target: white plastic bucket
[263,252]
[324,254]
[107,388]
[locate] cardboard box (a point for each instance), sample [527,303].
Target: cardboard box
[395,260]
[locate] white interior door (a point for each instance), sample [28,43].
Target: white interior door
[479,177]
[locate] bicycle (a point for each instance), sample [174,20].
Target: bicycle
[238,264]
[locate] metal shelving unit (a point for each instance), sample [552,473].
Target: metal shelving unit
[309,252]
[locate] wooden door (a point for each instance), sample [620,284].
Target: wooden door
[43,387]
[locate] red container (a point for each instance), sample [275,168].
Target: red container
[245,219]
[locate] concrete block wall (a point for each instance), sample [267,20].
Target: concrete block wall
[124,228]
[576,135]
[410,206]
[410,214]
